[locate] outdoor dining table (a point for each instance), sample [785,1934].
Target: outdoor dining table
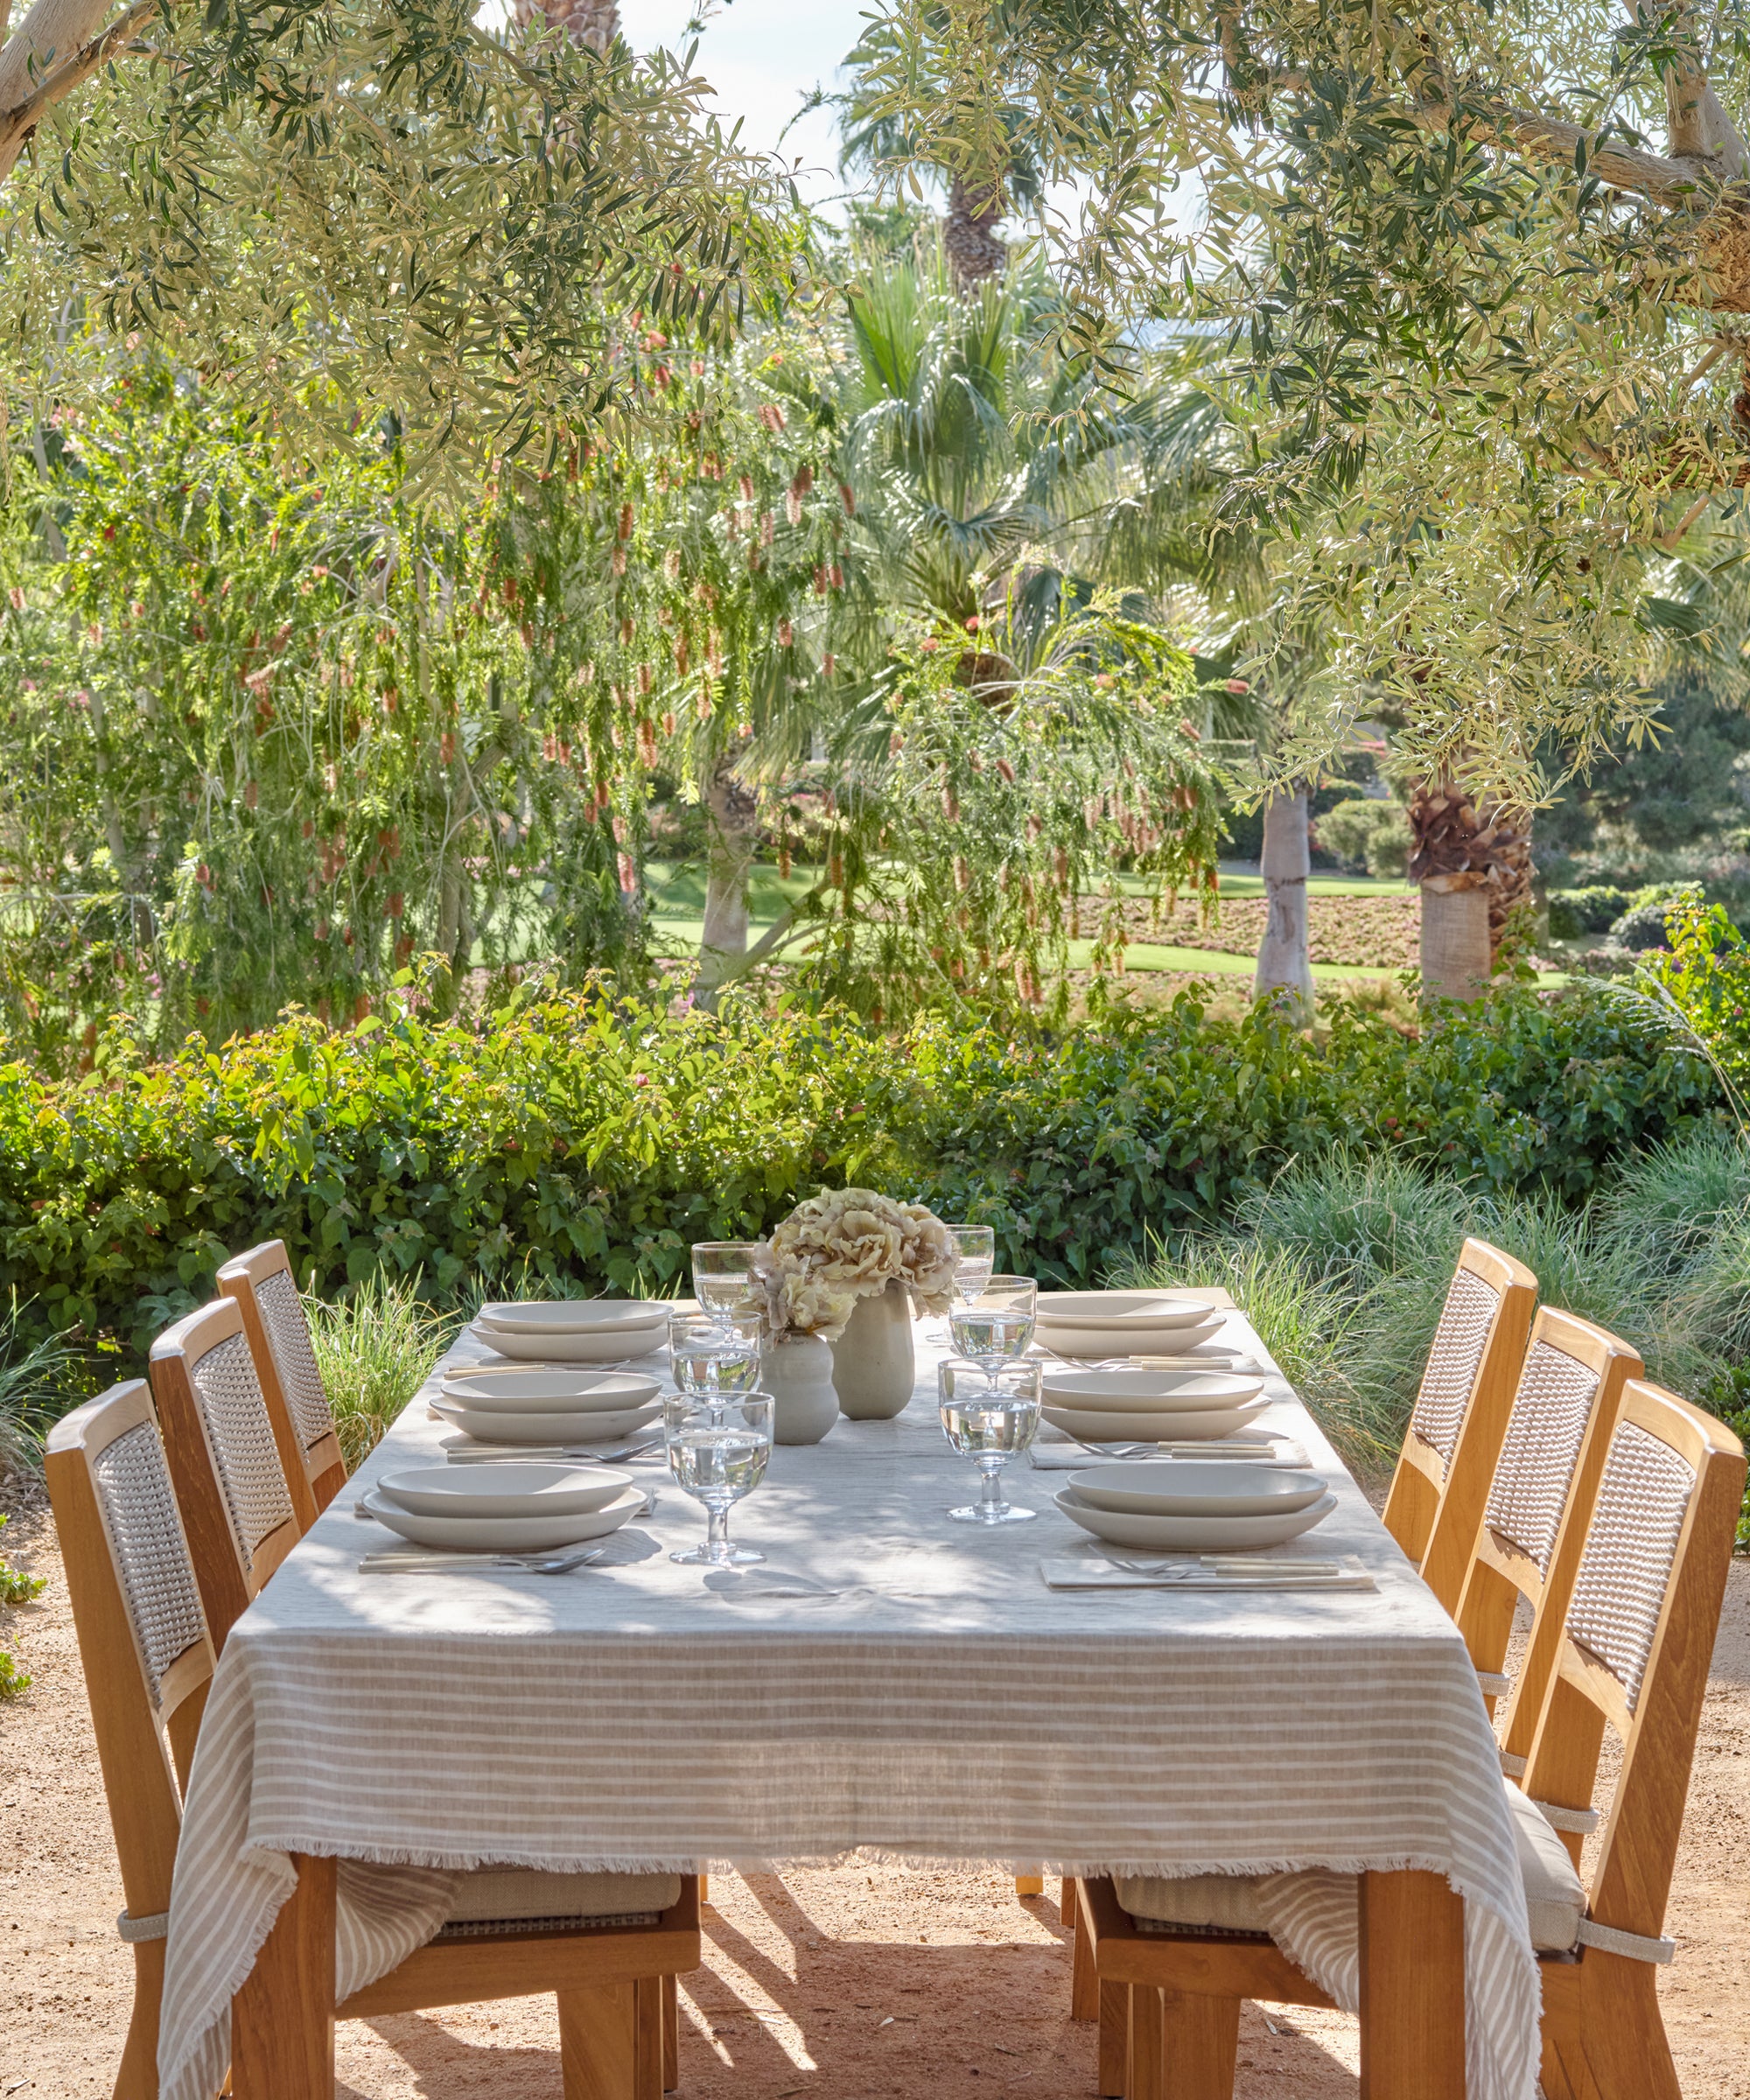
[890,1685]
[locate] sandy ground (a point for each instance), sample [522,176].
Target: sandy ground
[856,1984]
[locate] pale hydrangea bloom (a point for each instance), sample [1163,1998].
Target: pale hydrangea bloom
[845,1244]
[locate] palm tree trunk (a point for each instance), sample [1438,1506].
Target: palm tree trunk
[1473,866]
[1282,962]
[592,22]
[732,815]
[973,250]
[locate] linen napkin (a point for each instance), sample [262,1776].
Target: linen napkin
[1051,1450]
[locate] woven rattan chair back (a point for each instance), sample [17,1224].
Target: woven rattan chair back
[1460,1415]
[1528,1544]
[278,1335]
[236,1503]
[148,1663]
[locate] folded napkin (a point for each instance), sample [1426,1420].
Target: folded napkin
[1053,1451]
[465,1451]
[1092,1571]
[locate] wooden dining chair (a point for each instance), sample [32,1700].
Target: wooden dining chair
[1169,1962]
[610,1946]
[1448,1458]
[235,1499]
[278,1336]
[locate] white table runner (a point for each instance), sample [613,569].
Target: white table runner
[936,1702]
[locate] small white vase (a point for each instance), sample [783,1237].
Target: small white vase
[798,1374]
[874,1367]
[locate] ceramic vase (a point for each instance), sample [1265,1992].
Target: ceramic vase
[798,1374]
[874,1367]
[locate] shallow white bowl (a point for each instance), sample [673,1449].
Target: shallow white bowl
[578,1315]
[506,1534]
[1196,1488]
[1121,1309]
[493,1425]
[1122,1342]
[536,1389]
[1146,1392]
[504,1491]
[1193,1534]
[1173,1426]
[599,1345]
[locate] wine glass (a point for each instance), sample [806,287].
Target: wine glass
[719,1445]
[988,1414]
[714,1356]
[998,1324]
[975,1248]
[723,1276]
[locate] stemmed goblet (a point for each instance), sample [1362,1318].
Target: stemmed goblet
[998,1323]
[975,1248]
[723,1276]
[988,1414]
[711,1357]
[718,1445]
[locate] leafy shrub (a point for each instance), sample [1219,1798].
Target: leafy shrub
[577,1143]
[1592,910]
[1369,833]
[1706,978]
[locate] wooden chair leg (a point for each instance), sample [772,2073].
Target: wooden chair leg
[1412,1949]
[282,2019]
[671,2032]
[1084,1976]
[1115,2040]
[1147,2074]
[598,2043]
[1066,1902]
[648,2023]
[1621,2035]
[138,2076]
[1029,1885]
[1201,2048]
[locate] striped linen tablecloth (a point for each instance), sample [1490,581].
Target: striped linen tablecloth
[892,1686]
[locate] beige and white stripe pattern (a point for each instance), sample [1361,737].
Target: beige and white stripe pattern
[939,1704]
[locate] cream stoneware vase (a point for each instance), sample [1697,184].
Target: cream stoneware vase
[798,1374]
[874,1367]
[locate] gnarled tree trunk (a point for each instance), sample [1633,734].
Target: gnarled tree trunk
[1473,866]
[1283,963]
[733,813]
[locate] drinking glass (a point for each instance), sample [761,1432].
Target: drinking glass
[989,1414]
[998,1324]
[718,1444]
[723,1276]
[976,1249]
[712,1357]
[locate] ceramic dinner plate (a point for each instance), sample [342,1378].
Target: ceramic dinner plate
[537,1389]
[1124,1341]
[508,1491]
[1196,1488]
[506,1534]
[576,1315]
[495,1425]
[1146,1392]
[1169,1426]
[597,1344]
[1121,1309]
[1193,1534]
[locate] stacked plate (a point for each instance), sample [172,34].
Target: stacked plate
[1139,1406]
[576,1330]
[545,1405]
[1196,1505]
[511,1510]
[1123,1323]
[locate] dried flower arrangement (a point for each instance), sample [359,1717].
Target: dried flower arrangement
[845,1244]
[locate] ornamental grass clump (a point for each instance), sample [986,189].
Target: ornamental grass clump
[374,1349]
[846,1244]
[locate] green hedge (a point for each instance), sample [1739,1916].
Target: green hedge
[582,1139]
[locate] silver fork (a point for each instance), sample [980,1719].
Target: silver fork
[525,1564]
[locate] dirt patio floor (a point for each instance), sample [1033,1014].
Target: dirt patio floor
[854,1984]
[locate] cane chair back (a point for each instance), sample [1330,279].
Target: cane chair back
[148,1663]
[278,1335]
[1460,1415]
[235,1500]
[1528,1544]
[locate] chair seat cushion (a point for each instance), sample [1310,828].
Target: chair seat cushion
[495,1894]
[1555,1897]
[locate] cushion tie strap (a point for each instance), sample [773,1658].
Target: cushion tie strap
[1512,1767]
[1581,1821]
[1633,1946]
[133,1930]
[1493,1684]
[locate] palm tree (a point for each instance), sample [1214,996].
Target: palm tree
[594,22]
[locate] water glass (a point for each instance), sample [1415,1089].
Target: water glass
[988,1415]
[998,1324]
[723,1276]
[718,1444]
[713,1356]
[975,1247]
